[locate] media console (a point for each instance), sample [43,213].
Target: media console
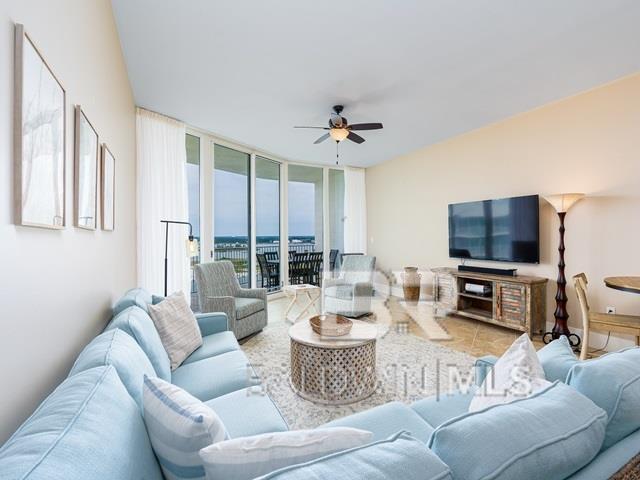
[516,302]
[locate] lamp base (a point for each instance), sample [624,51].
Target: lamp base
[574,339]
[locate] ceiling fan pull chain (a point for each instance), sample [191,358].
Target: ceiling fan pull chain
[337,152]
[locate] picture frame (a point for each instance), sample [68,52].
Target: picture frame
[108,189]
[39,138]
[86,164]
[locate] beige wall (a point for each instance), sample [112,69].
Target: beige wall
[56,287]
[588,143]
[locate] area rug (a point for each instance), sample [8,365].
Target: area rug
[631,471]
[408,369]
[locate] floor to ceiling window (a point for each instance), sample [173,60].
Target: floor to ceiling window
[336,217]
[267,224]
[193,185]
[231,215]
[305,223]
[240,206]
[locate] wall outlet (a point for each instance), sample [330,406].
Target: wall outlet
[611,310]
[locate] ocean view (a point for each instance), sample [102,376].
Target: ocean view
[242,240]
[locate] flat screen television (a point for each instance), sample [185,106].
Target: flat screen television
[503,230]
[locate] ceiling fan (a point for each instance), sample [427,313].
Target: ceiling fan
[339,129]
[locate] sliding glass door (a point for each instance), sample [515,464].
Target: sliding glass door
[305,224]
[267,209]
[278,222]
[231,210]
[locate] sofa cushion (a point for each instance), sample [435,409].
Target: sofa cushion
[248,306]
[557,358]
[213,345]
[398,457]
[613,383]
[385,420]
[179,425]
[137,323]
[211,377]
[247,458]
[138,297]
[343,292]
[436,410]
[609,461]
[549,435]
[248,412]
[88,428]
[117,348]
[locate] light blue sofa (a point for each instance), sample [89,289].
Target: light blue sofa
[91,426]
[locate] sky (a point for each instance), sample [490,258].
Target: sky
[231,205]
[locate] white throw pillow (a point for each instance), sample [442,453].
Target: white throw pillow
[517,374]
[177,327]
[250,457]
[179,425]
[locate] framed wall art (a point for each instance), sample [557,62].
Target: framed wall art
[85,172]
[39,139]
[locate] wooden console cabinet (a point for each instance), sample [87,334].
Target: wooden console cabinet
[514,302]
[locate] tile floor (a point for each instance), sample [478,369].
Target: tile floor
[471,336]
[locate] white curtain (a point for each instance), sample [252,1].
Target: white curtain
[161,195]
[355,210]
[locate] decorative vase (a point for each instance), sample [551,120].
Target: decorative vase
[411,284]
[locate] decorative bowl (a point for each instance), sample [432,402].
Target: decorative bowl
[330,325]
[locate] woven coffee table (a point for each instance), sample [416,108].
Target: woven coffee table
[333,370]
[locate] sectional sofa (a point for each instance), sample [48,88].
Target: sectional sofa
[92,426]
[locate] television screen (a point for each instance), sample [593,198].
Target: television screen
[505,230]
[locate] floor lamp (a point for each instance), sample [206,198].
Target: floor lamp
[192,246]
[562,203]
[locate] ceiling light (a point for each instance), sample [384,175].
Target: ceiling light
[339,134]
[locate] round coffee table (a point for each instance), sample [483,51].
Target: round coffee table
[333,370]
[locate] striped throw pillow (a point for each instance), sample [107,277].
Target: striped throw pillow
[246,458]
[179,425]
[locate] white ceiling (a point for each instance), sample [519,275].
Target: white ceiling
[427,69]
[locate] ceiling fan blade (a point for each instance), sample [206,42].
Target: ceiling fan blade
[321,139]
[321,128]
[354,137]
[365,126]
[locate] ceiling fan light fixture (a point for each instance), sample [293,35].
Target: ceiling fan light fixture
[339,134]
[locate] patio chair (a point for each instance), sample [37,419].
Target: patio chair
[269,271]
[350,294]
[220,291]
[333,258]
[314,268]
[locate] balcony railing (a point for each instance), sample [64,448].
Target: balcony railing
[239,256]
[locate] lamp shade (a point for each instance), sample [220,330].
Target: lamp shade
[563,201]
[339,134]
[192,247]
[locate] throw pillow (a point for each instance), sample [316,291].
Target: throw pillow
[517,374]
[401,456]
[556,359]
[179,425]
[250,457]
[177,327]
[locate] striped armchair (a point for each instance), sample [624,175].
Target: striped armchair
[219,291]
